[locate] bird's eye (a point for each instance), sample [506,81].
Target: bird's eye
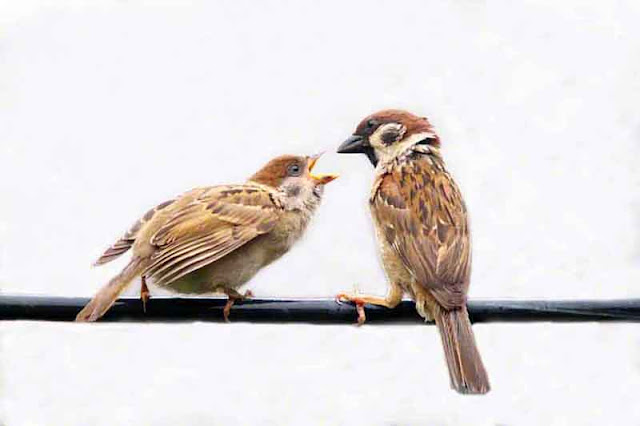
[371,123]
[294,169]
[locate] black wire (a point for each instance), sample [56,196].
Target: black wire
[317,311]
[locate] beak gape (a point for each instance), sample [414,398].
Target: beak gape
[358,145]
[320,179]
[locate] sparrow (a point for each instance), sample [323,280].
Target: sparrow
[215,239]
[422,229]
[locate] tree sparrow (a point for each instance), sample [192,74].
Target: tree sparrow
[423,233]
[216,238]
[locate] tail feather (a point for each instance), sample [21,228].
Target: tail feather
[466,371]
[108,294]
[119,247]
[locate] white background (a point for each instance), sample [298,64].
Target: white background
[110,107]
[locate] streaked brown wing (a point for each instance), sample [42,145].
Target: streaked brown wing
[423,217]
[127,240]
[216,223]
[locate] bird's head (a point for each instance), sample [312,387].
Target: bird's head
[293,174]
[388,133]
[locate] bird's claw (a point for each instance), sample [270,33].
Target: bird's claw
[232,298]
[341,298]
[145,295]
[359,303]
[344,297]
[362,317]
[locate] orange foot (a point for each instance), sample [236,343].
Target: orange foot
[359,302]
[145,295]
[233,296]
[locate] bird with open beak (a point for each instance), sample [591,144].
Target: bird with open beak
[217,238]
[423,233]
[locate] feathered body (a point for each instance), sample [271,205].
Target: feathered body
[421,220]
[217,237]
[422,228]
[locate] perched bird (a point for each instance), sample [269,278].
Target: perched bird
[423,233]
[216,238]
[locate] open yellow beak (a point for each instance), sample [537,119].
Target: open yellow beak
[321,179]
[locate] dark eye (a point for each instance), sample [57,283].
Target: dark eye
[294,169]
[370,124]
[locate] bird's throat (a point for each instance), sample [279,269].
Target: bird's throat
[371,155]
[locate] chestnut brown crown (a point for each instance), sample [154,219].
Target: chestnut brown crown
[275,171]
[412,125]
[280,168]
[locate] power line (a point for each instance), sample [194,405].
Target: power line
[317,311]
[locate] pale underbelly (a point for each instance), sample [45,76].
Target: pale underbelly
[400,276]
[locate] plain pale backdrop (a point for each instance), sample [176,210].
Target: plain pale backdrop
[110,107]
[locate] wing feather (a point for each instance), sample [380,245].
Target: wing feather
[200,259]
[129,238]
[423,217]
[217,222]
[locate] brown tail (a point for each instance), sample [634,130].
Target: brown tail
[466,370]
[108,294]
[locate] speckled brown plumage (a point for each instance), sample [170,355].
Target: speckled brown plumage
[216,238]
[423,232]
[424,219]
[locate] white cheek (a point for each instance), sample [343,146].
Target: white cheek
[383,151]
[375,140]
[298,191]
[386,153]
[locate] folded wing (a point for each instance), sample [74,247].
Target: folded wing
[213,225]
[423,217]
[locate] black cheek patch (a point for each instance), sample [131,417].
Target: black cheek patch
[389,137]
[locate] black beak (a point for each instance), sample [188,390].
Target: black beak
[358,145]
[354,145]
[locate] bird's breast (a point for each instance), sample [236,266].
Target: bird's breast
[394,268]
[288,230]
